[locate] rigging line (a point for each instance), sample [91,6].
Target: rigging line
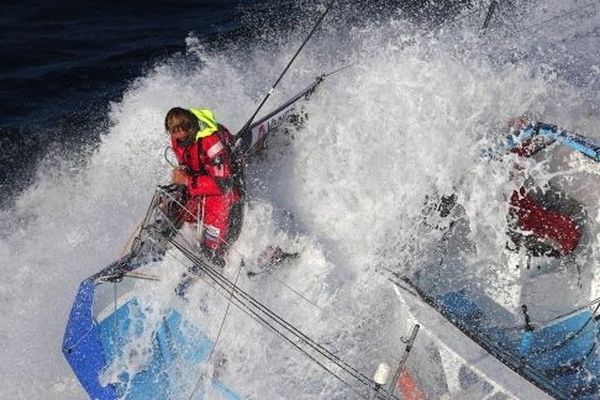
[286,325]
[224,283]
[197,385]
[247,124]
[309,301]
[342,323]
[245,308]
[570,336]
[436,28]
[226,311]
[217,276]
[306,299]
[209,284]
[311,357]
[558,16]
[288,287]
[294,291]
[253,314]
[188,258]
[328,74]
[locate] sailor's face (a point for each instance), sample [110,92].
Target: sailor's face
[179,133]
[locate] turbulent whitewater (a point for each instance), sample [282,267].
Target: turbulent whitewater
[420,110]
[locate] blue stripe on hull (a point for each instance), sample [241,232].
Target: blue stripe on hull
[168,371]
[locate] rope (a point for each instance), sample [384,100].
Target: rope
[231,249]
[242,300]
[253,307]
[569,337]
[226,311]
[130,239]
[197,385]
[558,17]
[245,308]
[232,289]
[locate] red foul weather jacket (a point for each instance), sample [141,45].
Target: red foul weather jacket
[210,165]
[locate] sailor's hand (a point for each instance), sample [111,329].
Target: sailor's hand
[179,176]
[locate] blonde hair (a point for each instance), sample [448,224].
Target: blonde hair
[180,118]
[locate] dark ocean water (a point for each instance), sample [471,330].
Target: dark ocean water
[63,63]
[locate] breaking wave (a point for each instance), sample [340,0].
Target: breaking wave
[415,116]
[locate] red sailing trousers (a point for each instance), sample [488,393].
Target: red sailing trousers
[218,217]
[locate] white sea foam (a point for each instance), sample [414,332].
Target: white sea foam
[417,112]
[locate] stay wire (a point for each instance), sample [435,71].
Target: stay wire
[247,301]
[288,287]
[209,284]
[244,299]
[335,71]
[226,284]
[229,244]
[511,32]
[307,339]
[246,309]
[570,336]
[284,284]
[310,34]
[228,290]
[225,314]
[557,17]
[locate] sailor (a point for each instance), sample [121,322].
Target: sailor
[211,171]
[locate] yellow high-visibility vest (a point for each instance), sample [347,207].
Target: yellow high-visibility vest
[207,122]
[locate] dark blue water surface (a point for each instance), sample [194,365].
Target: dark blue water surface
[62,62]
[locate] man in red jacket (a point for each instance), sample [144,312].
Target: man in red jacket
[211,171]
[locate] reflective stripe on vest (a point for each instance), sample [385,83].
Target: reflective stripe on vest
[207,122]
